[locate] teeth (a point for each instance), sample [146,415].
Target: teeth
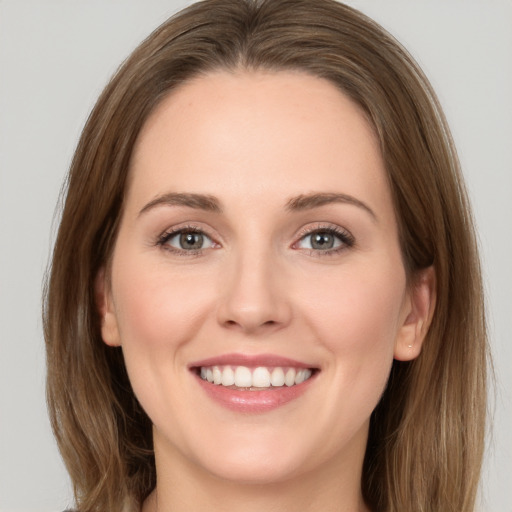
[217,375]
[228,376]
[243,377]
[303,375]
[260,377]
[289,380]
[277,377]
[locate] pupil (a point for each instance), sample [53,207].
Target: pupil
[191,240]
[322,241]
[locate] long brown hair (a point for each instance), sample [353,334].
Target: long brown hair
[426,435]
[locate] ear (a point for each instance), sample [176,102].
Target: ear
[417,315]
[103,297]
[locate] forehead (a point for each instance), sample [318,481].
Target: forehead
[245,134]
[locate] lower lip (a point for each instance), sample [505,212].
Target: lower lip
[254,401]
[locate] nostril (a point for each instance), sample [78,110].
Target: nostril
[261,316]
[234,323]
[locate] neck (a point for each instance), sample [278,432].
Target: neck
[182,486]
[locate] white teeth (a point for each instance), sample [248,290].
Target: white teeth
[277,377]
[243,377]
[299,377]
[302,375]
[228,376]
[217,375]
[260,377]
[289,379]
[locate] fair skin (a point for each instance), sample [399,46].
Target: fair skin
[282,242]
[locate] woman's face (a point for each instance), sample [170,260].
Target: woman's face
[258,247]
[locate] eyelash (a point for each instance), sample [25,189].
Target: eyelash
[346,239]
[164,238]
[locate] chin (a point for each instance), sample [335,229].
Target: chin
[255,470]
[268,456]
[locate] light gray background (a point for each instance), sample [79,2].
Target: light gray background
[55,57]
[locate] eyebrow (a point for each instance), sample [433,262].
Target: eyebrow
[310,201]
[211,204]
[197,201]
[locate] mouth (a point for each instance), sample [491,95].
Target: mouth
[244,378]
[253,383]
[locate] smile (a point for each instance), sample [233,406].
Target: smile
[254,379]
[253,383]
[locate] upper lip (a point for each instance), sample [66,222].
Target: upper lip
[250,360]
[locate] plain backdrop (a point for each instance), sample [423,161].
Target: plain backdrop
[56,56]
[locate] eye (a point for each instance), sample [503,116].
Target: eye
[325,239]
[187,240]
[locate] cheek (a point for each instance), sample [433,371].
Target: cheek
[159,311]
[156,307]
[356,313]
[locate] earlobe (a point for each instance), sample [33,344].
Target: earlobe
[103,298]
[421,302]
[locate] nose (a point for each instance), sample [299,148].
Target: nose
[253,295]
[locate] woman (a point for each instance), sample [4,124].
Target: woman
[265,288]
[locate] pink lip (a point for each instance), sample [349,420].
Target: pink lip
[251,361]
[252,401]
